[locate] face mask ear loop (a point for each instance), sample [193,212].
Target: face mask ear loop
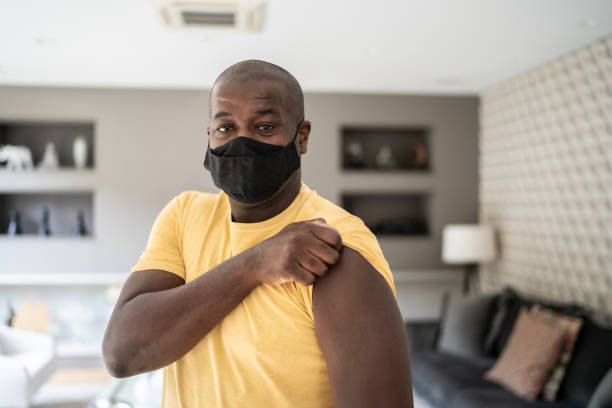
[297,131]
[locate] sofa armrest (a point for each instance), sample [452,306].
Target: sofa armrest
[422,335]
[13,383]
[602,397]
[18,341]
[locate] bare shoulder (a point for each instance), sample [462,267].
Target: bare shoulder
[351,282]
[361,334]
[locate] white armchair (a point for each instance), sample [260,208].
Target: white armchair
[27,360]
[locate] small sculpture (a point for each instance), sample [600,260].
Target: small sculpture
[16,157]
[81,228]
[384,158]
[11,314]
[14,226]
[417,155]
[354,153]
[49,160]
[79,152]
[44,229]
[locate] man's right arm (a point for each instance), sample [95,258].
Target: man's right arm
[158,318]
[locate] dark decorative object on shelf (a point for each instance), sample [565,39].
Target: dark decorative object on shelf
[354,154]
[417,155]
[44,228]
[11,314]
[81,228]
[14,227]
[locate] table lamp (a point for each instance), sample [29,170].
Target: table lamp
[467,244]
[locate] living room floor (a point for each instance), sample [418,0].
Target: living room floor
[72,387]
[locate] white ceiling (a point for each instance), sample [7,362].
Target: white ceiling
[427,46]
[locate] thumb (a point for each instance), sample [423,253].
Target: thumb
[320,220]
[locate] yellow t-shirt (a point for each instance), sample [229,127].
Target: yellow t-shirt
[265,352]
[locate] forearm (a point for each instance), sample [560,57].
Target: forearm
[155,329]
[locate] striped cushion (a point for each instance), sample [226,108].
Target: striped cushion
[572,325]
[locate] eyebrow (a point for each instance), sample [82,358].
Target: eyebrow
[221,115]
[266,112]
[260,112]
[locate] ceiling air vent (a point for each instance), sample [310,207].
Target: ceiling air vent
[244,15]
[204,18]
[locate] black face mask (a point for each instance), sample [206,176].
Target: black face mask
[251,171]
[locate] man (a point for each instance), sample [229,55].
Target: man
[266,294]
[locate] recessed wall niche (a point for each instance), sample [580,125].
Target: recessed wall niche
[35,135]
[63,209]
[399,214]
[385,148]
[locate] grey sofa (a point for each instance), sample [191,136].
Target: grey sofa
[448,380]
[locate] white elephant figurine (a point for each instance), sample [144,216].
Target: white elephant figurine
[16,157]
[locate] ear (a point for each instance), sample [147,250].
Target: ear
[208,131]
[303,134]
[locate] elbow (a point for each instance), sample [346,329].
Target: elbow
[115,363]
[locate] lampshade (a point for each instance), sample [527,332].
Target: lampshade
[467,243]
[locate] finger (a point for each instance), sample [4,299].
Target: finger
[312,264]
[323,251]
[326,233]
[302,276]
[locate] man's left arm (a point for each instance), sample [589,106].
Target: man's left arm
[362,336]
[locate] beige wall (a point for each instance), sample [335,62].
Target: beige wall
[150,146]
[546,179]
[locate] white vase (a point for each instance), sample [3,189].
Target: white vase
[49,160]
[79,152]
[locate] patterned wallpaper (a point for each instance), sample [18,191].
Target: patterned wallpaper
[546,179]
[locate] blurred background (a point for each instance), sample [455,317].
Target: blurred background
[473,137]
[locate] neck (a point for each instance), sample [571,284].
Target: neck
[277,203]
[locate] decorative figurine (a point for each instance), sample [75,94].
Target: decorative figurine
[417,156]
[384,158]
[354,153]
[49,160]
[79,152]
[16,157]
[44,229]
[81,228]
[11,314]
[14,226]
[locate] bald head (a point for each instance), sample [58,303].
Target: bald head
[256,70]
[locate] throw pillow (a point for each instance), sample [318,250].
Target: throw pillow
[509,304]
[530,354]
[572,325]
[507,308]
[465,321]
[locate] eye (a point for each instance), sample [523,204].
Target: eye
[224,128]
[265,127]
